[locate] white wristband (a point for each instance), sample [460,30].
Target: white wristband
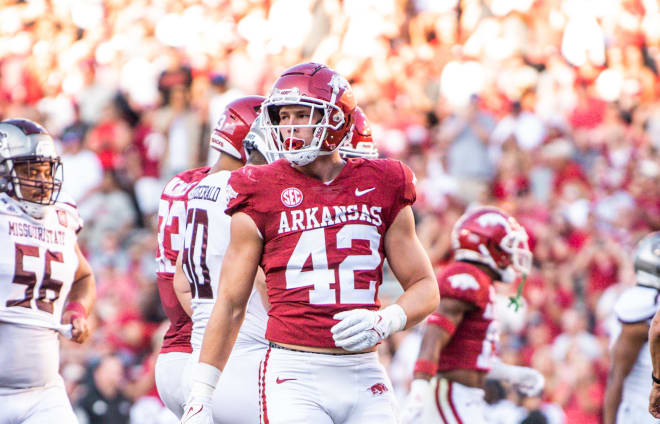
[204,379]
[396,315]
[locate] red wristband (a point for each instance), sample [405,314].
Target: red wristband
[442,322]
[425,367]
[77,308]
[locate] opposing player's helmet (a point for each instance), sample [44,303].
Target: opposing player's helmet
[492,237]
[320,88]
[361,144]
[647,260]
[234,124]
[25,142]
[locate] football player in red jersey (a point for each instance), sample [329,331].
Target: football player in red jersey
[236,399]
[361,144]
[458,348]
[227,137]
[321,228]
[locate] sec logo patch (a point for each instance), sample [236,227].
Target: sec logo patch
[291,197]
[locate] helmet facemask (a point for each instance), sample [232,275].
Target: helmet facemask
[515,244]
[33,194]
[362,150]
[290,147]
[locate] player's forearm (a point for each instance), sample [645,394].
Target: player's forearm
[185,300]
[612,400]
[419,300]
[654,344]
[83,291]
[500,371]
[220,334]
[435,339]
[182,288]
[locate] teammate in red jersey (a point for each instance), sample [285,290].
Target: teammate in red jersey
[320,228]
[227,137]
[361,144]
[458,348]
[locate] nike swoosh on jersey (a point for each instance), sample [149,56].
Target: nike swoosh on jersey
[282,380]
[359,193]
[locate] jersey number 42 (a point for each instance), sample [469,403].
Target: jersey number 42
[312,243]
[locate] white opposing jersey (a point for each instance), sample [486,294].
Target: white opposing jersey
[38,262]
[204,246]
[638,304]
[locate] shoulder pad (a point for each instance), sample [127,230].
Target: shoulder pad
[67,212]
[637,304]
[464,282]
[8,206]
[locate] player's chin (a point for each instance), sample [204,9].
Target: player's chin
[38,197]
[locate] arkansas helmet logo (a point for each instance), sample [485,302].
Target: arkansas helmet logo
[291,197]
[463,282]
[492,219]
[378,389]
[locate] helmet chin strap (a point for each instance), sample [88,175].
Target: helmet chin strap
[301,158]
[516,302]
[35,210]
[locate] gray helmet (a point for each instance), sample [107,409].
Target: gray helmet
[25,142]
[647,260]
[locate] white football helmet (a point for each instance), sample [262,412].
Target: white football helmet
[25,142]
[647,261]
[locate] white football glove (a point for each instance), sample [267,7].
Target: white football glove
[360,329]
[528,381]
[413,406]
[198,407]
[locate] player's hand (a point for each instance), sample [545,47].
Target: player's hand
[413,406]
[360,329]
[197,411]
[80,327]
[528,381]
[654,401]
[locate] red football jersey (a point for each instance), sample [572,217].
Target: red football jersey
[475,340]
[323,243]
[171,228]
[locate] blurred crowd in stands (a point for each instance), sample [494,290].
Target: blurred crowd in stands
[546,108]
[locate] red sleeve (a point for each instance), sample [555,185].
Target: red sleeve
[406,191]
[241,193]
[463,286]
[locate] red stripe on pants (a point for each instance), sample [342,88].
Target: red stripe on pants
[437,402]
[264,407]
[261,363]
[451,403]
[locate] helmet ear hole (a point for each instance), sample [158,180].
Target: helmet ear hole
[274,114]
[5,185]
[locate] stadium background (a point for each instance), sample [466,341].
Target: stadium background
[546,108]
